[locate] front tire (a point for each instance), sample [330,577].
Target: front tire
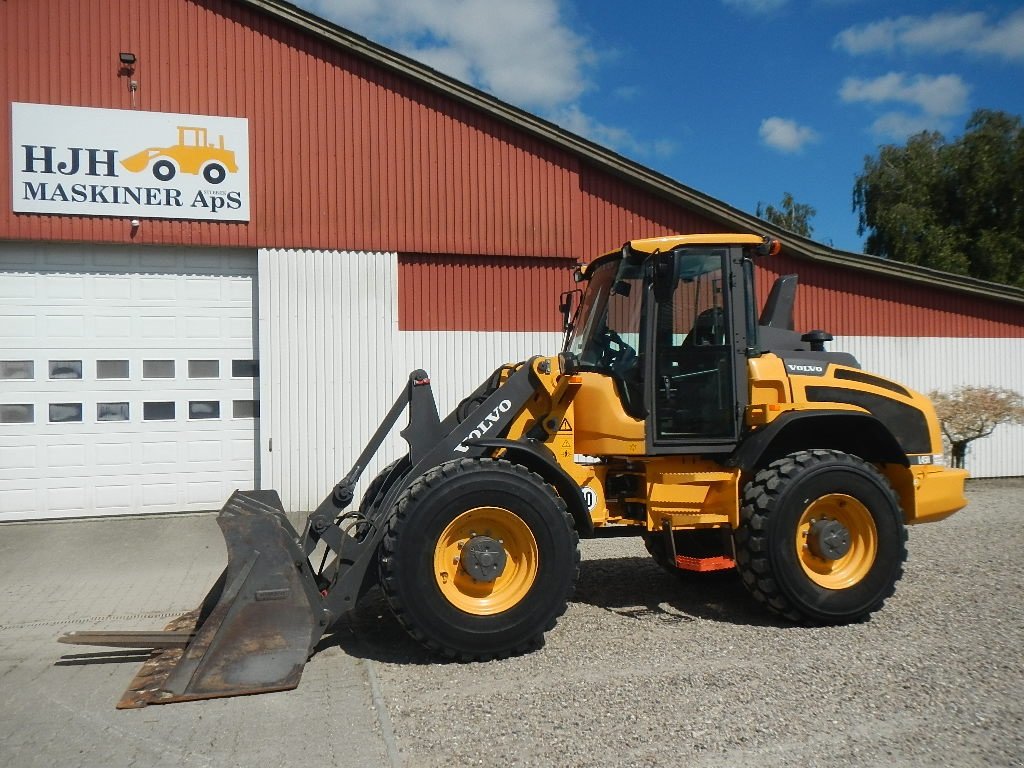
[480,559]
[821,538]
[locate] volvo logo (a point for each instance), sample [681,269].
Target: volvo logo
[803,368]
[485,426]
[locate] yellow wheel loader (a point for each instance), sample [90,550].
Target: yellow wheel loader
[726,440]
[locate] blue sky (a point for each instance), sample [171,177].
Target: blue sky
[741,99]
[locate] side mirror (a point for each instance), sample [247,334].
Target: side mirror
[665,277]
[565,302]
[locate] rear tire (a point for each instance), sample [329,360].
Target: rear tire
[821,538]
[435,597]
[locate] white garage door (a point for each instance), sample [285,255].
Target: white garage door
[128,379]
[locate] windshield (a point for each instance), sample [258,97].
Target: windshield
[606,332]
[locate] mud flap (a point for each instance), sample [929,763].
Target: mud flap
[258,625]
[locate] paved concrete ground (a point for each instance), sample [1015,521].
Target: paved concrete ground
[57,706]
[642,669]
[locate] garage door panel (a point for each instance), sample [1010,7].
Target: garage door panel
[18,287]
[14,458]
[110,456]
[115,499]
[113,326]
[15,327]
[20,503]
[208,493]
[106,317]
[113,287]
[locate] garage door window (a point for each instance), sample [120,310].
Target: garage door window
[158,411]
[203,369]
[112,411]
[158,369]
[17,369]
[245,369]
[204,409]
[65,369]
[112,369]
[65,412]
[245,409]
[17,413]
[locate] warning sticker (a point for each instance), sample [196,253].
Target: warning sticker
[565,426]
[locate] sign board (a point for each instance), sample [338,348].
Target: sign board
[120,162]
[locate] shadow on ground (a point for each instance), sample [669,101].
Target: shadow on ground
[636,586]
[630,587]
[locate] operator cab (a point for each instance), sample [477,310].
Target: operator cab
[672,320]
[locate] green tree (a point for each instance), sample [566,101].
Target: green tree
[790,215]
[956,206]
[970,413]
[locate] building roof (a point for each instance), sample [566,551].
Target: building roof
[623,167]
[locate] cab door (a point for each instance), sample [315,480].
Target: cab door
[698,354]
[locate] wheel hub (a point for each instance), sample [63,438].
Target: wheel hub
[483,558]
[828,539]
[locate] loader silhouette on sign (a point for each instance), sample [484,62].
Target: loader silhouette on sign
[192,154]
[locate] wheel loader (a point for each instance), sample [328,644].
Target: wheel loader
[675,412]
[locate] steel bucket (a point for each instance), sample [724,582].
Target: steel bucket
[254,631]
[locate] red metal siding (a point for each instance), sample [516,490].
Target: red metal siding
[447,293]
[451,293]
[848,302]
[614,212]
[344,154]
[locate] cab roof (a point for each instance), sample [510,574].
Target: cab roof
[668,242]
[652,244]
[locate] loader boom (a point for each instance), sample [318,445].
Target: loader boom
[259,624]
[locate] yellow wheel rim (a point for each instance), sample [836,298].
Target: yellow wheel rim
[479,597]
[851,567]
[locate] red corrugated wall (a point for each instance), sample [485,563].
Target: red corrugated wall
[847,302]
[346,155]
[481,294]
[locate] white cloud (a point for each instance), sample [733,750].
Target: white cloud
[786,135]
[940,96]
[520,51]
[932,100]
[756,6]
[940,33]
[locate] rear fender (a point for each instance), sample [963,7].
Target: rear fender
[860,434]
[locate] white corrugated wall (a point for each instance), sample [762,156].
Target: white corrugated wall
[332,361]
[929,363]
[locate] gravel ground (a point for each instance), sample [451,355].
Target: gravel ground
[646,670]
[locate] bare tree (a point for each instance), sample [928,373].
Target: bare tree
[971,413]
